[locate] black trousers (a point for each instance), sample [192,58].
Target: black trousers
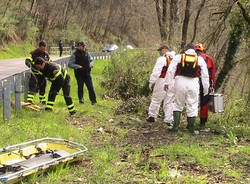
[37,83]
[56,86]
[83,78]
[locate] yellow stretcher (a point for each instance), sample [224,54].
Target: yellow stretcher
[21,160]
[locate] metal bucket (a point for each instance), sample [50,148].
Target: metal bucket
[215,103]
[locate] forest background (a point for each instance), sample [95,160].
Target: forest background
[222,25]
[129,150]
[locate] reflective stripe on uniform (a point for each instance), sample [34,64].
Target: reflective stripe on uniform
[71,110]
[42,98]
[65,74]
[57,74]
[71,107]
[31,60]
[189,59]
[36,72]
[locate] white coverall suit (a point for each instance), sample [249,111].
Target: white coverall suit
[187,88]
[159,94]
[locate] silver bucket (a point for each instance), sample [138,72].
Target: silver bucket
[215,103]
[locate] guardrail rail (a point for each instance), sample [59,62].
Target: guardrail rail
[17,84]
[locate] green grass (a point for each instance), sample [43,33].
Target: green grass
[128,150]
[18,50]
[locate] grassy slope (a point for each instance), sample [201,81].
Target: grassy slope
[15,50]
[129,150]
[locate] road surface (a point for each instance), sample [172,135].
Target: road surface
[10,67]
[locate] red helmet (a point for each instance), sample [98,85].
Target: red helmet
[200,47]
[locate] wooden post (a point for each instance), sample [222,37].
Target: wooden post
[18,91]
[6,99]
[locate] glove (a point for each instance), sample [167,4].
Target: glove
[151,86]
[27,63]
[205,91]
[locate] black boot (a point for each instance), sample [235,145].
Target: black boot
[177,117]
[191,121]
[150,119]
[203,122]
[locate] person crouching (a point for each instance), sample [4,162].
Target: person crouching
[60,79]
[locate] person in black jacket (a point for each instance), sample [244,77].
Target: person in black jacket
[37,82]
[82,62]
[60,45]
[60,79]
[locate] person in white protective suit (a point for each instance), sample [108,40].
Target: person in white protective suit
[157,80]
[187,68]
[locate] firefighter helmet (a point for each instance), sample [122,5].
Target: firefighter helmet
[200,47]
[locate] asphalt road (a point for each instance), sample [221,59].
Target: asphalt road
[10,67]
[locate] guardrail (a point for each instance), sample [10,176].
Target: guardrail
[18,83]
[55,50]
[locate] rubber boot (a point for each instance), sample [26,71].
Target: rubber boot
[177,117]
[203,122]
[191,121]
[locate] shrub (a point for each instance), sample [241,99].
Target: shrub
[126,78]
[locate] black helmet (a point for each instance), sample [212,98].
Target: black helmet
[42,43]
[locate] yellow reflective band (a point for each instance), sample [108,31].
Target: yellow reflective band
[41,96]
[31,60]
[195,61]
[30,95]
[71,110]
[70,106]
[49,106]
[183,60]
[65,73]
[57,74]
[36,72]
[51,102]
[190,59]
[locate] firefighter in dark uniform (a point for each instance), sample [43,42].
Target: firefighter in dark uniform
[82,63]
[37,82]
[60,79]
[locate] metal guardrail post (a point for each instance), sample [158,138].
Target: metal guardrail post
[20,82]
[26,84]
[1,90]
[6,99]
[18,91]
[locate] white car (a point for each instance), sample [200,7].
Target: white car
[110,48]
[129,47]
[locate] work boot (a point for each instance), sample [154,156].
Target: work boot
[48,109]
[43,102]
[72,113]
[203,122]
[177,118]
[150,119]
[191,121]
[93,103]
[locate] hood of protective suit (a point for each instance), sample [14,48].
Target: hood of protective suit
[171,54]
[191,52]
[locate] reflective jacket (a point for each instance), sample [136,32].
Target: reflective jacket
[52,71]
